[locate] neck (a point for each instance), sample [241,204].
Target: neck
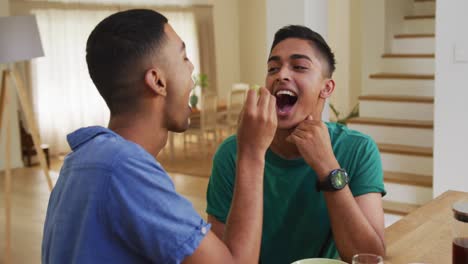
[143,129]
[283,148]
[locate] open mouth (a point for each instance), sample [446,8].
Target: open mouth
[285,101]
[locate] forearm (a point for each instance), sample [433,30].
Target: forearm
[244,224]
[352,231]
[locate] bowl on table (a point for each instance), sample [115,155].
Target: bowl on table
[319,261]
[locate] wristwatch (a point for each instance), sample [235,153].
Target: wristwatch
[336,180]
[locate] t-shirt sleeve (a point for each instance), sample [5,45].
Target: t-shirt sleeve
[366,175]
[221,184]
[144,212]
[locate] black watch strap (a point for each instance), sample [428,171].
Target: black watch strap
[325,185]
[336,180]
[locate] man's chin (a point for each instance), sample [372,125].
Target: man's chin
[179,128]
[287,124]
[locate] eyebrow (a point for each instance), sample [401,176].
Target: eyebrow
[274,58]
[299,56]
[292,57]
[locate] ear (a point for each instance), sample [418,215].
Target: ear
[328,89]
[154,79]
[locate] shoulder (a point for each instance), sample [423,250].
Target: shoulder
[229,143]
[124,160]
[135,171]
[127,154]
[224,162]
[102,149]
[228,148]
[135,163]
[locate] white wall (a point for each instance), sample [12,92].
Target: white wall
[355,56]
[252,36]
[226,27]
[15,155]
[4,8]
[339,30]
[451,93]
[282,13]
[345,32]
[373,38]
[311,13]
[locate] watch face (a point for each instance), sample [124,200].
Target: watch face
[339,179]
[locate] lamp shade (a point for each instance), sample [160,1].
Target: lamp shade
[19,39]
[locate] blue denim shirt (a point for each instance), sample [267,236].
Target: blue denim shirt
[114,203]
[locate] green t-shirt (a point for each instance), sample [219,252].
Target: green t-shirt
[296,224]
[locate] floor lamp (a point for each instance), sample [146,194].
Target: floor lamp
[19,41]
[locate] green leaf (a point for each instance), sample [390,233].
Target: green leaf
[201,80]
[353,113]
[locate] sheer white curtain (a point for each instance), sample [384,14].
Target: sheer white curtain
[185,26]
[64,96]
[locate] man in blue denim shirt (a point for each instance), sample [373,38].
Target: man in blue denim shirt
[113,202]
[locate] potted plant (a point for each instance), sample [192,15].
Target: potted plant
[353,113]
[201,80]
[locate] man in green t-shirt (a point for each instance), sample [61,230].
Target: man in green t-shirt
[323,183]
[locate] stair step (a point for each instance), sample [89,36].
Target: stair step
[423,8]
[409,87]
[405,150]
[391,122]
[419,17]
[398,208]
[403,193]
[420,165]
[398,98]
[402,76]
[409,43]
[400,36]
[408,66]
[418,24]
[408,179]
[412,56]
[396,107]
[396,132]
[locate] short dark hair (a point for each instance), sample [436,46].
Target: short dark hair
[116,50]
[305,33]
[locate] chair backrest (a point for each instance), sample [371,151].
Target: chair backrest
[240,86]
[26,138]
[209,111]
[236,101]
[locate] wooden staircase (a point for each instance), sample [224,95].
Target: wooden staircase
[408,178]
[397,110]
[402,76]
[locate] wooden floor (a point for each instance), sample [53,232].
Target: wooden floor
[189,170]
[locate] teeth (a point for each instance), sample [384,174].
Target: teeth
[286,92]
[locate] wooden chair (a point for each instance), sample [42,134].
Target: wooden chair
[204,123]
[27,147]
[236,102]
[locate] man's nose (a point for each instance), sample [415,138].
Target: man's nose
[284,74]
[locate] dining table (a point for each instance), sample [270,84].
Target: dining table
[424,235]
